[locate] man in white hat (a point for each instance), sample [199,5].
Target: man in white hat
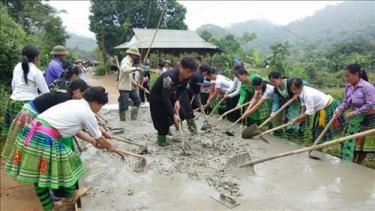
[127,75]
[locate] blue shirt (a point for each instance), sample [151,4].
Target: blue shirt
[54,70]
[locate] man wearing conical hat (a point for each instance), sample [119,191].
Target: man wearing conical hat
[55,68]
[127,76]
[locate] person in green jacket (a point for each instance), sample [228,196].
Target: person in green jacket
[246,94]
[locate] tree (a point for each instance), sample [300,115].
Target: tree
[41,23]
[12,38]
[247,37]
[280,55]
[112,21]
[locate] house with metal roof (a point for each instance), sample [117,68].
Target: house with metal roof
[169,41]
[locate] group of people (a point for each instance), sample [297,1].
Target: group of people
[43,115]
[179,90]
[46,111]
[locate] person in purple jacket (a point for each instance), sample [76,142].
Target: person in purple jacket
[359,97]
[55,68]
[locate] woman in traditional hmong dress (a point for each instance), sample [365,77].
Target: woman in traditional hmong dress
[247,93]
[359,96]
[283,94]
[262,100]
[27,80]
[42,159]
[322,106]
[37,106]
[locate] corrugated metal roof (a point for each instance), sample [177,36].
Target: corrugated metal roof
[166,38]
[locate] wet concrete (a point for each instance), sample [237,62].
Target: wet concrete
[174,181]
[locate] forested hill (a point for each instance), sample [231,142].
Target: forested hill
[81,43]
[331,24]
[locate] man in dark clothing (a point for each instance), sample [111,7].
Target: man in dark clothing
[169,98]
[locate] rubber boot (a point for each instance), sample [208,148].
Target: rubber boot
[192,127]
[162,140]
[134,112]
[122,116]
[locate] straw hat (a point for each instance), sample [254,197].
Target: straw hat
[59,50]
[133,51]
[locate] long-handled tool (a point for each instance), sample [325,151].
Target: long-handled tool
[206,124]
[248,134]
[321,136]
[227,131]
[143,148]
[254,129]
[139,166]
[230,111]
[232,165]
[184,146]
[216,107]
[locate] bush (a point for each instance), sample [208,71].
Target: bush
[12,39]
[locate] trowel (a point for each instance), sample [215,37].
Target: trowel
[242,163]
[226,200]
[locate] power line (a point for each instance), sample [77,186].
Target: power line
[282,27]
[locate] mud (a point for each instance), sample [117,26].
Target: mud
[178,179]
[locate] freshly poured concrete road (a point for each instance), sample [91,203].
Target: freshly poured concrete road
[295,183]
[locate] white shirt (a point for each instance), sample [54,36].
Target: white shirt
[268,93]
[70,117]
[235,88]
[313,99]
[22,91]
[223,83]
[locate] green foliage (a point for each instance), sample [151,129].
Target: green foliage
[12,39]
[28,22]
[280,56]
[111,21]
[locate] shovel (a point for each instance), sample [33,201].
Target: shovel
[235,163]
[321,136]
[185,146]
[253,129]
[216,107]
[227,132]
[249,132]
[140,165]
[206,125]
[143,148]
[230,111]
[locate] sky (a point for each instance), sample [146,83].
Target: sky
[222,13]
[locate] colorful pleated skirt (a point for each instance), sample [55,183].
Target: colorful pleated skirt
[362,144]
[24,117]
[12,109]
[39,157]
[321,118]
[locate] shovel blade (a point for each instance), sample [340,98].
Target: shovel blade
[234,163]
[229,133]
[140,165]
[250,132]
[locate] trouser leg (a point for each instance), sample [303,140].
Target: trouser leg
[186,112]
[44,197]
[123,102]
[136,103]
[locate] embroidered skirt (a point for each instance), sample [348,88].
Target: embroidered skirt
[40,157]
[12,109]
[335,129]
[363,144]
[24,117]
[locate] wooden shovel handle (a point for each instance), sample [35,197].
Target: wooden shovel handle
[234,123]
[217,106]
[234,109]
[130,154]
[324,131]
[102,118]
[276,128]
[125,140]
[278,111]
[318,146]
